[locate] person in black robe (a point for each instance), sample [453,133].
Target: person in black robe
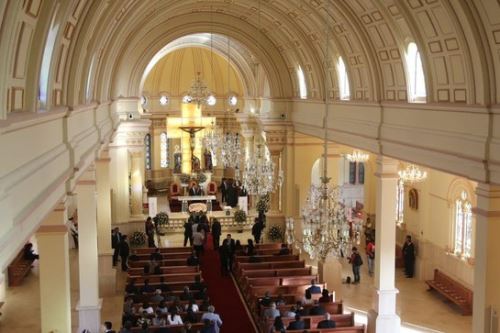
[216,232]
[409,257]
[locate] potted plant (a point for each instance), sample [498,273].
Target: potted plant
[161,221]
[137,239]
[201,178]
[263,204]
[240,217]
[184,178]
[275,234]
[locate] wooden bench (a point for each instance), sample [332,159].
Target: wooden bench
[452,290]
[164,270]
[166,277]
[261,290]
[276,272]
[164,262]
[332,307]
[352,329]
[269,265]
[171,328]
[311,322]
[269,258]
[165,256]
[18,269]
[149,250]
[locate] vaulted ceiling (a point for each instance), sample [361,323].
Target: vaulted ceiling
[99,50]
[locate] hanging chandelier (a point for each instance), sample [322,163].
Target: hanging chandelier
[231,150]
[258,177]
[199,93]
[357,156]
[212,139]
[412,174]
[325,229]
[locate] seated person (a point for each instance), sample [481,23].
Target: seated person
[147,288]
[146,269]
[290,313]
[301,310]
[307,299]
[156,269]
[156,256]
[277,325]
[208,326]
[271,312]
[279,300]
[202,294]
[133,256]
[205,304]
[190,316]
[297,324]
[162,307]
[284,250]
[325,296]
[266,300]
[157,297]
[192,306]
[28,252]
[326,323]
[143,319]
[314,289]
[145,307]
[195,190]
[186,294]
[158,319]
[193,259]
[169,297]
[317,310]
[163,286]
[131,287]
[175,307]
[173,318]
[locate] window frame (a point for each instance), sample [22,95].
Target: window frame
[415,75]
[344,82]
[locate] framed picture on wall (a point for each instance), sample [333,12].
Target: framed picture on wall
[413,199]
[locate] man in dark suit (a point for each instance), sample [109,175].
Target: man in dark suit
[314,289]
[409,257]
[317,310]
[116,238]
[107,327]
[223,188]
[327,323]
[124,252]
[227,254]
[195,190]
[297,324]
[216,232]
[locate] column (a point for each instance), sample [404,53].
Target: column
[486,268]
[382,317]
[107,274]
[89,305]
[136,183]
[55,294]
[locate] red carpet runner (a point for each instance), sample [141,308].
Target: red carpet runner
[224,294]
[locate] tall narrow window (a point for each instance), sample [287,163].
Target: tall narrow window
[416,80]
[147,151]
[361,173]
[463,226]
[352,173]
[400,201]
[344,89]
[163,150]
[302,83]
[47,59]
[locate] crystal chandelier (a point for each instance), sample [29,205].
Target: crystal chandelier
[412,174]
[357,156]
[212,140]
[258,176]
[199,93]
[231,150]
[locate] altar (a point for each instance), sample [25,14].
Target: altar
[226,219]
[185,199]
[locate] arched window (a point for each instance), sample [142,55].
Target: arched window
[416,80]
[163,150]
[463,226]
[344,89]
[302,83]
[147,151]
[400,201]
[361,173]
[48,51]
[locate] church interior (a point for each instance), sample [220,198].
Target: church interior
[115,110]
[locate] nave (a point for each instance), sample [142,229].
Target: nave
[21,312]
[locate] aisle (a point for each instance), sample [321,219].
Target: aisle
[224,294]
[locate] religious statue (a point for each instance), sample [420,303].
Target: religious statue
[195,164]
[208,160]
[177,160]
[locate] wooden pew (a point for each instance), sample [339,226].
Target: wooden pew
[175,255]
[332,307]
[269,265]
[453,290]
[261,290]
[171,328]
[341,320]
[165,270]
[179,285]
[352,329]
[268,258]
[164,262]
[166,277]
[163,250]
[277,272]
[18,269]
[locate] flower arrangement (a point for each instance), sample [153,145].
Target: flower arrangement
[201,177]
[240,216]
[276,233]
[138,238]
[161,219]
[263,203]
[184,178]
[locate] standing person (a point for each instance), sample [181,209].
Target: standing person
[356,262]
[409,257]
[116,239]
[370,255]
[226,254]
[124,253]
[150,231]
[213,317]
[198,238]
[188,232]
[216,232]
[223,188]
[257,228]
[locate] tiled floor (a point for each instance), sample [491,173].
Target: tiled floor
[415,305]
